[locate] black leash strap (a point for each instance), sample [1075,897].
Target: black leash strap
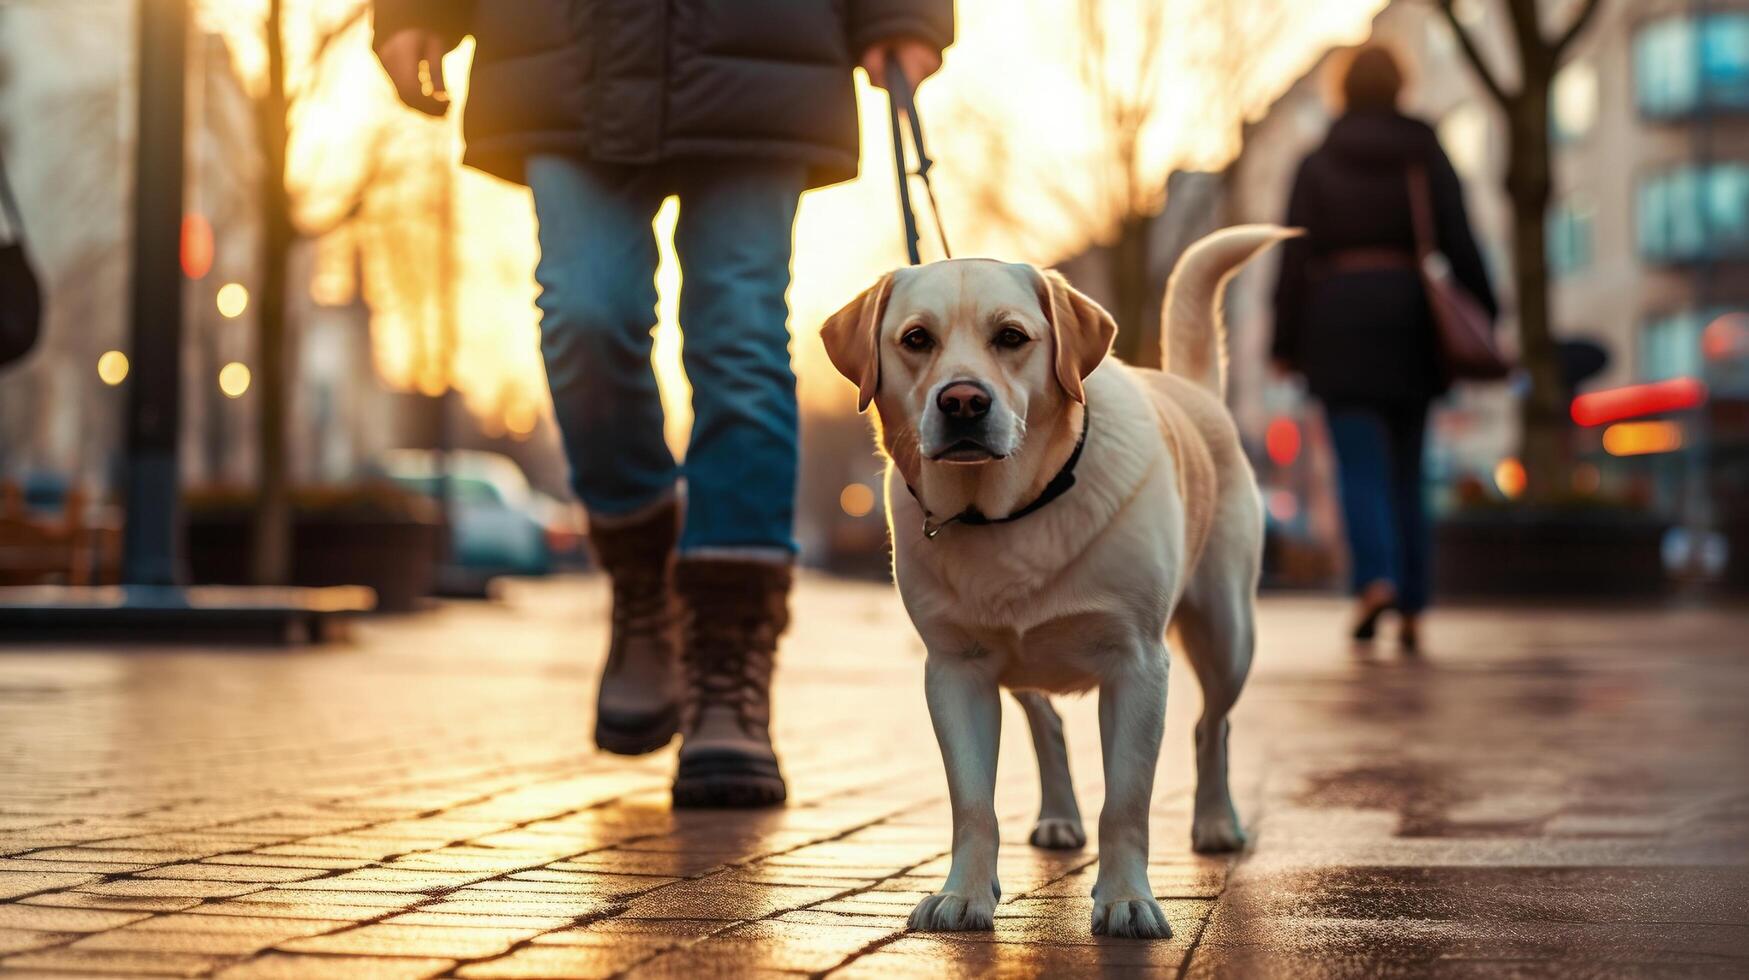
[899,100]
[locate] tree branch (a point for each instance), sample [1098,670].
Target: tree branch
[1474,55]
[319,50]
[1581,20]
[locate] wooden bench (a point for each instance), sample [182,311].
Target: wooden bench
[67,549]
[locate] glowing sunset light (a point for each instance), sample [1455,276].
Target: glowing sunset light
[1014,73]
[521,419]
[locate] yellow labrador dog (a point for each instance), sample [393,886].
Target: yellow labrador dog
[1052,510]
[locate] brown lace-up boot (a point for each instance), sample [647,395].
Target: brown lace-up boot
[637,708]
[735,612]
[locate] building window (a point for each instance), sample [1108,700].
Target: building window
[1573,101]
[1693,214]
[1670,346]
[1683,64]
[1569,237]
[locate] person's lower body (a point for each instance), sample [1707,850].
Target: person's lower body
[700,579]
[1379,460]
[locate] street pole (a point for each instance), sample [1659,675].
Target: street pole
[150,546]
[1701,518]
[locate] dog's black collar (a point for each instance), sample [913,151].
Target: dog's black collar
[1058,486]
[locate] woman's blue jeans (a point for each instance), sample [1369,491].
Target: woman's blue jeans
[1378,461]
[598,313]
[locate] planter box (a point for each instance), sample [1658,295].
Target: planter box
[1562,554]
[396,557]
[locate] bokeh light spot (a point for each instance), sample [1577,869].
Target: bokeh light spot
[233,299]
[1283,505]
[234,379]
[856,499]
[1282,441]
[1509,477]
[1641,438]
[112,367]
[520,419]
[197,246]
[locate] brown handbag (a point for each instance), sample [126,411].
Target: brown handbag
[1464,330]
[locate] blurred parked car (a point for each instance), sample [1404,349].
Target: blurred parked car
[499,525]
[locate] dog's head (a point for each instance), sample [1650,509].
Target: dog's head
[960,356]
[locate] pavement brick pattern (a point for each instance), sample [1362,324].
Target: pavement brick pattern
[1546,794]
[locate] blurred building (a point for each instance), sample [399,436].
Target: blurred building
[64,124]
[67,134]
[1648,234]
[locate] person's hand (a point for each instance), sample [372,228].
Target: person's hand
[919,59]
[414,60]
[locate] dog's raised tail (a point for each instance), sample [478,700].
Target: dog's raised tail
[1195,332]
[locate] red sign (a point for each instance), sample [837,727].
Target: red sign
[1634,401]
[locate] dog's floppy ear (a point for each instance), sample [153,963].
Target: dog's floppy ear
[1080,328]
[853,339]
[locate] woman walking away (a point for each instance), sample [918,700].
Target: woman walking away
[1352,315]
[604,108]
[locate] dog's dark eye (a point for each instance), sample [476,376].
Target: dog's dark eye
[917,339]
[1011,338]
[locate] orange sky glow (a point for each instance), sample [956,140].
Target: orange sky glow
[1014,69]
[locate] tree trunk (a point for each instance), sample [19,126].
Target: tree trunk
[1138,340]
[1546,434]
[272,525]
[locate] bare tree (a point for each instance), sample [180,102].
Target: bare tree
[1547,445]
[1126,67]
[1127,96]
[279,107]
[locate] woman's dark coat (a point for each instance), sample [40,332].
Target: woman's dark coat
[1367,337]
[644,81]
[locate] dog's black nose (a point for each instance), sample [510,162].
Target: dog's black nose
[964,400]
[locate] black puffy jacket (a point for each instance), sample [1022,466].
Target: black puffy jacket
[643,81]
[1368,336]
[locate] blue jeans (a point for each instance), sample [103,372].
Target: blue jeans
[1378,462]
[598,312]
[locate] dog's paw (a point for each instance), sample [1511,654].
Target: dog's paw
[1130,918]
[1058,834]
[1218,834]
[953,912]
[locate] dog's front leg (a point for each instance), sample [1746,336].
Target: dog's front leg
[1132,714]
[967,713]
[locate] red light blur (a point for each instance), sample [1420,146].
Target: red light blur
[1633,401]
[1282,441]
[197,246]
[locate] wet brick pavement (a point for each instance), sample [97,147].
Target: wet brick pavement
[1545,795]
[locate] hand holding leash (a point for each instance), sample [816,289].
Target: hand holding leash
[899,98]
